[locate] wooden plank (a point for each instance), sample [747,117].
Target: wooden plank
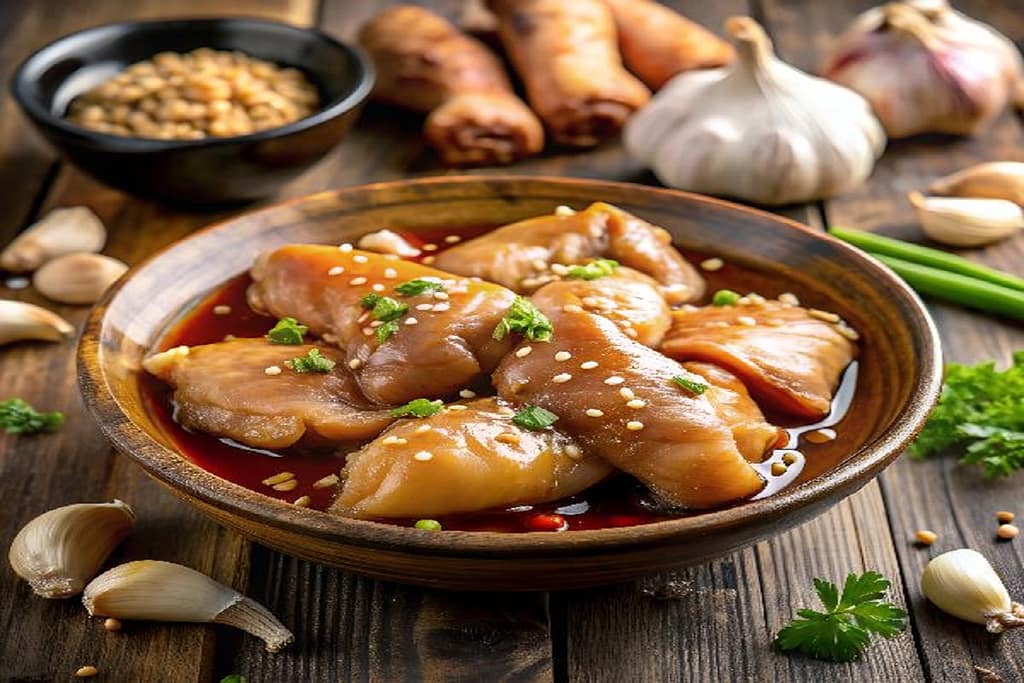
[955,502]
[77,464]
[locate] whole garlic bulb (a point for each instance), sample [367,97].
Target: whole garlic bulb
[758,129]
[927,68]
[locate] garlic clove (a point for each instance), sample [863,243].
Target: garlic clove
[992,180]
[387,242]
[966,222]
[20,321]
[62,231]
[78,278]
[60,550]
[164,591]
[963,583]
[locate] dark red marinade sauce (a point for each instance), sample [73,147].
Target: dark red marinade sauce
[620,501]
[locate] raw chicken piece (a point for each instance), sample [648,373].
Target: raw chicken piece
[519,256]
[431,353]
[618,398]
[224,389]
[478,459]
[789,357]
[630,299]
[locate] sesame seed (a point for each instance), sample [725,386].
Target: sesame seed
[394,441]
[411,321]
[573,451]
[430,247]
[457,407]
[563,355]
[823,315]
[634,426]
[594,412]
[390,273]
[559,269]
[847,331]
[636,403]
[627,393]
[778,469]
[424,307]
[357,280]
[112,624]
[678,287]
[590,301]
[746,320]
[789,458]
[467,393]
[286,485]
[539,264]
[441,296]
[789,299]
[363,318]
[427,260]
[743,301]
[508,437]
[423,456]
[367,331]
[302,501]
[359,258]
[222,310]
[524,352]
[442,307]
[278,478]
[529,282]
[926,537]
[588,364]
[346,247]
[712,264]
[563,210]
[326,482]
[376,323]
[505,410]
[452,239]
[1004,516]
[272,370]
[756,298]
[614,381]
[86,671]
[355,363]
[631,333]
[572,308]
[422,429]
[561,378]
[377,287]
[229,337]
[336,270]
[1007,532]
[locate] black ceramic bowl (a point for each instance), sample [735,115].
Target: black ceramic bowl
[211,170]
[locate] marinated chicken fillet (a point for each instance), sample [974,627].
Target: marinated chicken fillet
[442,342]
[618,398]
[226,389]
[791,358]
[520,256]
[466,458]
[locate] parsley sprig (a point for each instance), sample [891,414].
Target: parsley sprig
[386,310]
[844,629]
[982,412]
[287,331]
[313,361]
[524,318]
[18,417]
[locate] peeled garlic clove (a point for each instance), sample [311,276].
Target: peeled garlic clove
[60,550]
[164,591]
[963,583]
[62,231]
[963,222]
[20,321]
[993,180]
[387,242]
[78,278]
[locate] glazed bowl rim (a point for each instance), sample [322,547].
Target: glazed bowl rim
[175,470]
[351,99]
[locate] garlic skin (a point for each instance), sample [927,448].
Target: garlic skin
[967,222]
[165,591]
[963,583]
[992,180]
[78,278]
[20,321]
[758,129]
[60,550]
[926,68]
[62,231]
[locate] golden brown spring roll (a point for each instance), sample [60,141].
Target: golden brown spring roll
[567,55]
[426,64]
[658,43]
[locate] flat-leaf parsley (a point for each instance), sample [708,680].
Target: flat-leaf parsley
[524,318]
[313,361]
[18,417]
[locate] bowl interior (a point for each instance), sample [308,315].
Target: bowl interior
[900,369]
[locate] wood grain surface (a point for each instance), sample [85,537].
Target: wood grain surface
[711,623]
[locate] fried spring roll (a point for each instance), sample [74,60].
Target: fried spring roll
[567,55]
[658,43]
[425,64]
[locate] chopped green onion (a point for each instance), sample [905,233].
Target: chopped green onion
[313,361]
[597,268]
[369,301]
[288,332]
[387,309]
[387,331]
[418,286]
[428,525]
[18,417]
[234,678]
[523,317]
[534,418]
[691,382]
[725,297]
[418,407]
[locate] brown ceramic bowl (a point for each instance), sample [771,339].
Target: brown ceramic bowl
[900,377]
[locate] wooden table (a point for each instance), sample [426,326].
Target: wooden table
[719,624]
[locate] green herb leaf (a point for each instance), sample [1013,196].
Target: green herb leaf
[418,286]
[18,417]
[692,383]
[387,331]
[369,301]
[534,418]
[428,525]
[523,317]
[981,411]
[725,297]
[418,407]
[313,361]
[234,678]
[597,268]
[388,309]
[287,331]
[844,629]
